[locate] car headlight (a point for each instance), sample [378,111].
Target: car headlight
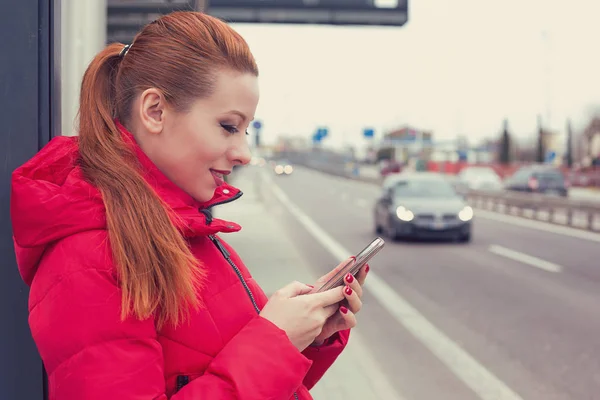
[288,169]
[466,214]
[404,214]
[279,169]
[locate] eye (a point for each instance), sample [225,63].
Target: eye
[230,128]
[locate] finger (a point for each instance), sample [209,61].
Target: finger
[354,302]
[348,319]
[293,289]
[351,281]
[362,274]
[334,271]
[330,310]
[328,297]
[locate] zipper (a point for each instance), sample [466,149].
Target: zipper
[227,257]
[182,380]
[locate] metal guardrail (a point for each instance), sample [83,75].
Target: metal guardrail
[576,213]
[557,210]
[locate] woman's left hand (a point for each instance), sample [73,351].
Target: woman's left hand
[345,317]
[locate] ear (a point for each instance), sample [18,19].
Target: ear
[152,110]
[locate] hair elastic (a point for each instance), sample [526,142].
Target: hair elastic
[124,51]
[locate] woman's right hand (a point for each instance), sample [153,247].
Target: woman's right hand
[299,314]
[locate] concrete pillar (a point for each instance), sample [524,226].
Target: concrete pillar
[83,31]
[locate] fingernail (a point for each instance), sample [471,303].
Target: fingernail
[349,278]
[367,269]
[348,290]
[311,286]
[353,257]
[344,310]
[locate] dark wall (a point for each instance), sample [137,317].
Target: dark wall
[30,114]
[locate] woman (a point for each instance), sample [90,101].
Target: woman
[133,293]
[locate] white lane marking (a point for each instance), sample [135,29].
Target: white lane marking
[525,258]
[486,385]
[539,225]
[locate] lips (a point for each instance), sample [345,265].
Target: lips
[218,176]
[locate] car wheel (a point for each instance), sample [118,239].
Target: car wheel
[392,233]
[465,238]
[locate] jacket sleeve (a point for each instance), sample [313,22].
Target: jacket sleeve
[89,353]
[324,356]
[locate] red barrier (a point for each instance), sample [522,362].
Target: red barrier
[589,177]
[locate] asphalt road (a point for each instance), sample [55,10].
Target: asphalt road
[512,315]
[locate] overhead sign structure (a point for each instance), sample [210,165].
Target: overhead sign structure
[320,12]
[124,18]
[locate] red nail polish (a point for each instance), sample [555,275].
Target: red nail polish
[353,257]
[348,290]
[344,310]
[310,286]
[349,278]
[367,269]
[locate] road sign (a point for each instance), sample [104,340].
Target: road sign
[369,132]
[257,125]
[320,134]
[550,156]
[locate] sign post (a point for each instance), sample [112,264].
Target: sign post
[257,125]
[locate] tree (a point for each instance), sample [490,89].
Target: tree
[505,145]
[540,153]
[569,155]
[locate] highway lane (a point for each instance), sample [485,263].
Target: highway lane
[534,330]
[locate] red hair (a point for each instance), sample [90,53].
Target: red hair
[180,54]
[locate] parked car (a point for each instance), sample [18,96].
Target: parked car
[479,178]
[538,179]
[422,205]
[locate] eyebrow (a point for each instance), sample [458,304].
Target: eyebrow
[240,114]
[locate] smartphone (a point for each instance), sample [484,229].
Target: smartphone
[361,259]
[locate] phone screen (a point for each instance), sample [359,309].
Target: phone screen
[361,259]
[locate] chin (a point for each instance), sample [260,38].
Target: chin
[203,196]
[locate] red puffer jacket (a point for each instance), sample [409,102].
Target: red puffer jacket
[225,351]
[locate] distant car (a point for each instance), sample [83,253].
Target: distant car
[390,167]
[422,205]
[538,179]
[283,167]
[479,178]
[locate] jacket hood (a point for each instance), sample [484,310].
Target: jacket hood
[51,200]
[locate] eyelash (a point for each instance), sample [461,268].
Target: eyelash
[231,129]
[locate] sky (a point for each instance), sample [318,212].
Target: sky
[456,68]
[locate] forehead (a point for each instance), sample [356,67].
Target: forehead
[235,91]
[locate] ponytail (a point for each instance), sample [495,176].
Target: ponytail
[158,274]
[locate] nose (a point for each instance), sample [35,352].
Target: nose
[240,154]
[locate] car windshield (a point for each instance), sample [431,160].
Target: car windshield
[549,176]
[423,188]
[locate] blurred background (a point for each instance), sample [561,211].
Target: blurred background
[465,133]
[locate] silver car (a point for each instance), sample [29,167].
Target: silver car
[422,205]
